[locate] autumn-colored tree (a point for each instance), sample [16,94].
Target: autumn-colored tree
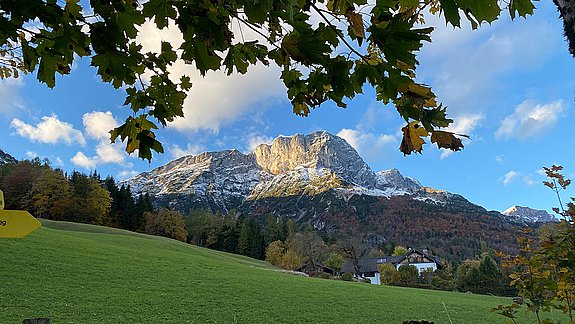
[90,202]
[544,270]
[166,223]
[275,252]
[399,251]
[308,246]
[51,195]
[17,185]
[388,273]
[354,44]
[291,260]
[334,261]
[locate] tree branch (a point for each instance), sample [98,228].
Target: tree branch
[339,33]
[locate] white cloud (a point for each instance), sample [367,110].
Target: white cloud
[110,153]
[372,147]
[31,154]
[58,161]
[98,124]
[50,130]
[465,67]
[464,124]
[216,99]
[530,119]
[254,140]
[190,149]
[509,177]
[12,103]
[529,181]
[81,160]
[126,174]
[500,158]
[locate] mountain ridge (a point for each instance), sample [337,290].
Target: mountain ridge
[319,179]
[295,165]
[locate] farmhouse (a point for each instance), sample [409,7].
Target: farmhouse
[420,259]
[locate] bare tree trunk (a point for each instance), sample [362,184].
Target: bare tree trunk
[567,12]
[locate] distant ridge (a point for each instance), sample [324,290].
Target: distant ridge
[528,215]
[6,158]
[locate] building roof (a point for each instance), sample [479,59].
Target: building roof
[370,264]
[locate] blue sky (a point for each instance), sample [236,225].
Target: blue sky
[509,85]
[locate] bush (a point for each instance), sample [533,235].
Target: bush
[346,276]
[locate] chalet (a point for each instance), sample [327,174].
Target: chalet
[420,259]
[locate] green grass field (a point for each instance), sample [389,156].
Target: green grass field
[75,273]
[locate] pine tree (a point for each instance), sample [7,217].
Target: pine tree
[272,230]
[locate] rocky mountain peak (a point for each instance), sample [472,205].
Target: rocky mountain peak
[318,150]
[528,215]
[6,158]
[393,179]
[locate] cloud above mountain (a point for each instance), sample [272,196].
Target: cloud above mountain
[50,130]
[216,99]
[530,119]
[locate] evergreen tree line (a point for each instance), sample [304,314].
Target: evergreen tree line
[241,235]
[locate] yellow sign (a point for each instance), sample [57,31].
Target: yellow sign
[1,200]
[17,223]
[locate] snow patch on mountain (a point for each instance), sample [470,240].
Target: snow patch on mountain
[294,166]
[6,158]
[528,215]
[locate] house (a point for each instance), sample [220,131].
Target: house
[420,259]
[309,269]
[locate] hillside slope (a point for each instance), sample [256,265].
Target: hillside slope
[86,274]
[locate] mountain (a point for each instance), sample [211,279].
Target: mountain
[6,158]
[528,215]
[320,179]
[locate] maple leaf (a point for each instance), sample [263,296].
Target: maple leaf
[356,22]
[447,140]
[412,138]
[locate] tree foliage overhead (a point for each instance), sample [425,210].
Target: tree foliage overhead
[355,43]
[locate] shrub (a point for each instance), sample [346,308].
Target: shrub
[346,276]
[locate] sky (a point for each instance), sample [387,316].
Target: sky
[510,86]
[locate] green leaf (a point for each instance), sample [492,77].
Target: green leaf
[409,3]
[161,10]
[47,69]
[257,10]
[185,83]
[485,10]
[451,12]
[168,54]
[522,7]
[128,20]
[72,8]
[115,67]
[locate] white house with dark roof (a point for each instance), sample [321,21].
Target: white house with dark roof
[420,259]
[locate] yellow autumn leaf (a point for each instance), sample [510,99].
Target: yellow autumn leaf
[419,89]
[413,135]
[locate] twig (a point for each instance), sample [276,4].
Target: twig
[338,32]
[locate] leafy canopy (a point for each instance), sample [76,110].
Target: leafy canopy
[356,43]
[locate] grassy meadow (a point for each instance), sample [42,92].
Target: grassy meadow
[74,273]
